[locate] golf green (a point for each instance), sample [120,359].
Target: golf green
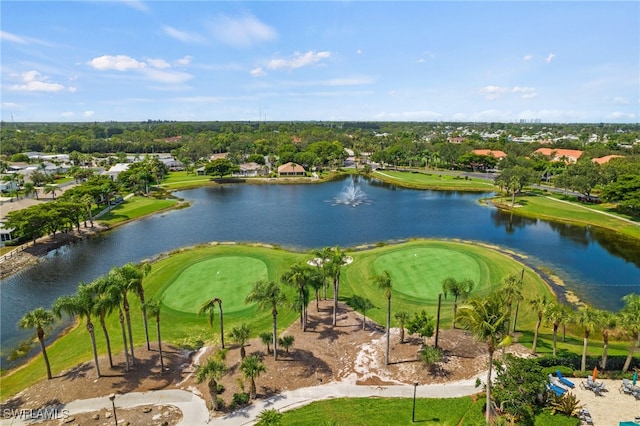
[419,271]
[229,278]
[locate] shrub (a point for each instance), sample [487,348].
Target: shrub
[239,400]
[567,404]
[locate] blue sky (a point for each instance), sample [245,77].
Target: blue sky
[388,61]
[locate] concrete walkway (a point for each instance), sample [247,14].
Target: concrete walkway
[297,398]
[195,412]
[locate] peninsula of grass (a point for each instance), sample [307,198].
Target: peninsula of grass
[185,279]
[435,181]
[135,208]
[556,209]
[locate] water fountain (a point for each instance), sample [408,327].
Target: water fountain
[352,196]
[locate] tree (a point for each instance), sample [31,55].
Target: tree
[402,317]
[240,335]
[361,304]
[51,189]
[556,314]
[630,323]
[336,259]
[607,322]
[587,318]
[129,278]
[422,324]
[220,167]
[512,289]
[153,311]
[539,305]
[459,289]
[209,308]
[211,372]
[297,277]
[107,301]
[488,320]
[266,338]
[80,305]
[286,342]
[384,283]
[268,295]
[39,319]
[252,368]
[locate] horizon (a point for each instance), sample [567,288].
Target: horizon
[271,61]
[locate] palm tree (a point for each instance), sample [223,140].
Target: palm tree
[286,342]
[488,320]
[361,304]
[539,305]
[607,322]
[334,263]
[39,318]
[459,289]
[81,305]
[557,315]
[134,274]
[88,201]
[630,323]
[51,189]
[269,417]
[587,318]
[240,335]
[106,302]
[268,295]
[297,277]
[251,368]
[128,278]
[384,283]
[512,289]
[211,372]
[323,255]
[209,308]
[30,189]
[402,317]
[266,338]
[152,308]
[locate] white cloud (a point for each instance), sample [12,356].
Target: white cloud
[527,58]
[298,60]
[153,69]
[183,36]
[619,100]
[493,92]
[88,114]
[258,72]
[136,4]
[12,38]
[241,32]
[527,92]
[171,77]
[11,105]
[624,116]
[184,61]
[118,62]
[550,57]
[67,114]
[359,51]
[158,63]
[33,81]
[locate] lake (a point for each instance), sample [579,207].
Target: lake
[596,265]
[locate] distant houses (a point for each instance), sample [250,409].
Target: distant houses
[606,159]
[291,169]
[559,154]
[500,155]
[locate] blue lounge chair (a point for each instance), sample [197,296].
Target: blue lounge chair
[565,380]
[555,389]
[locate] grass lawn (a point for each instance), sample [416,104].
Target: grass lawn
[435,181]
[182,180]
[134,208]
[554,208]
[399,411]
[417,269]
[187,278]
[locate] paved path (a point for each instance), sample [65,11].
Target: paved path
[299,397]
[195,412]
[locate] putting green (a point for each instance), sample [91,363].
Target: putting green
[229,278]
[419,271]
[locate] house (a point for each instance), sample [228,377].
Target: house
[457,140]
[500,155]
[8,185]
[250,170]
[218,156]
[5,234]
[291,169]
[115,170]
[560,154]
[172,164]
[605,159]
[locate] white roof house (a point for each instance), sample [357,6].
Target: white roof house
[115,170]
